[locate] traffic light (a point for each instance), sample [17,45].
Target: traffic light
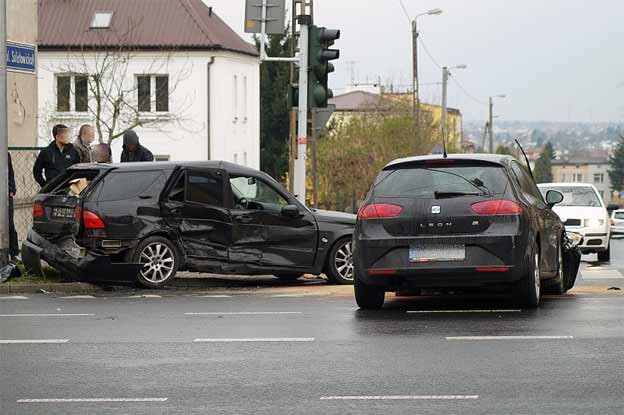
[319,55]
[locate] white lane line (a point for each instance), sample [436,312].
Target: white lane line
[47,315]
[14,297]
[461,311]
[244,313]
[398,397]
[77,297]
[35,341]
[92,400]
[509,337]
[256,340]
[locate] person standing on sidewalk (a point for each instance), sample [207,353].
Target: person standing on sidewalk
[133,150]
[13,243]
[55,158]
[82,143]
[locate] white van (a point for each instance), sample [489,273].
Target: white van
[583,211]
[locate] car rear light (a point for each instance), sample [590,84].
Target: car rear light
[380,210]
[612,222]
[497,207]
[382,272]
[492,269]
[89,219]
[38,211]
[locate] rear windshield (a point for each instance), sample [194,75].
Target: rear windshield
[424,182]
[619,215]
[584,196]
[71,182]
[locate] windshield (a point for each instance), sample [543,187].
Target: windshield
[584,196]
[427,182]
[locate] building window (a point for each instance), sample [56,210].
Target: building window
[65,100]
[577,177]
[101,20]
[563,178]
[598,177]
[159,86]
[235,96]
[245,100]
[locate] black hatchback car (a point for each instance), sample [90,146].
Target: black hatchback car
[150,220]
[461,221]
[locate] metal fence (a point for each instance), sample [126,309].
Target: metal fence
[23,159]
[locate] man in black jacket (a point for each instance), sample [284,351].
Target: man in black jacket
[55,158]
[13,244]
[133,150]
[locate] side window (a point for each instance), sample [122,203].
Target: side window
[257,194]
[177,191]
[204,187]
[126,185]
[527,183]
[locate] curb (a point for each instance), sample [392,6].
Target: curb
[53,287]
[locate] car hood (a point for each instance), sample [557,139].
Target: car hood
[330,216]
[580,212]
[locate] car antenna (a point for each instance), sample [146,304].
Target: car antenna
[526,159]
[444,153]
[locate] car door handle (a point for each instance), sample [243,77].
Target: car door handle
[244,219]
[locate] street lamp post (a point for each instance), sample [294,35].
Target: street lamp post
[446,73]
[491,106]
[415,87]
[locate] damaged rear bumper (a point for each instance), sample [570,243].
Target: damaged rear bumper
[90,268]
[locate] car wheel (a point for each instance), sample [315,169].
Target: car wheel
[340,262]
[160,260]
[529,286]
[605,256]
[368,297]
[289,277]
[557,285]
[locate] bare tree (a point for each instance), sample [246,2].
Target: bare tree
[111,74]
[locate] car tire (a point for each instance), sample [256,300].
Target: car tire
[529,287]
[557,285]
[289,277]
[369,297]
[605,256]
[161,259]
[340,262]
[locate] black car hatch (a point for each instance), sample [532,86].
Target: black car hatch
[440,198]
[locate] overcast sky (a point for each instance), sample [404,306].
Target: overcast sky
[556,60]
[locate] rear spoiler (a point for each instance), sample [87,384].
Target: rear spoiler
[441,162]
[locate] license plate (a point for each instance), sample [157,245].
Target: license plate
[63,213]
[437,253]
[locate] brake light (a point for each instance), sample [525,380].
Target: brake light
[89,219]
[38,211]
[497,207]
[78,214]
[380,210]
[492,269]
[438,162]
[612,222]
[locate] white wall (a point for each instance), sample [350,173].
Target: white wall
[235,121]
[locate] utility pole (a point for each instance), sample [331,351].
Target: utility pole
[302,120]
[445,77]
[4,142]
[491,105]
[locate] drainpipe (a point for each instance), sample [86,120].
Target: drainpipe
[208,106]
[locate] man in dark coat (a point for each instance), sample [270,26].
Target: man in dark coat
[13,244]
[55,158]
[133,150]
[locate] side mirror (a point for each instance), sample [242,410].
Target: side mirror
[291,211]
[553,198]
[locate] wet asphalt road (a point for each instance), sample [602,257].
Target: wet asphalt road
[182,352]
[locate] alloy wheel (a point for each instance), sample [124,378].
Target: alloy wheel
[158,262]
[344,261]
[536,276]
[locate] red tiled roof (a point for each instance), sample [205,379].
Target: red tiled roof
[166,24]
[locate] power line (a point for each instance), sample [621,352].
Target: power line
[468,94]
[409,19]
[435,62]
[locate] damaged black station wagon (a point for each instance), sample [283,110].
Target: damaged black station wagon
[149,220]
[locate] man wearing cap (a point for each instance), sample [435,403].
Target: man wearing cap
[133,150]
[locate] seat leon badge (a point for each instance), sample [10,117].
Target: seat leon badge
[435,209]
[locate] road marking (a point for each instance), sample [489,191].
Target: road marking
[47,315]
[604,275]
[92,400]
[78,297]
[14,297]
[398,397]
[244,313]
[509,337]
[461,311]
[35,341]
[256,340]
[215,296]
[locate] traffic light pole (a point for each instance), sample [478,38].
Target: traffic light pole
[302,119]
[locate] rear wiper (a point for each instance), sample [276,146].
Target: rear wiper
[442,195]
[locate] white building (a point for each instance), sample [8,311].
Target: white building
[173,64]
